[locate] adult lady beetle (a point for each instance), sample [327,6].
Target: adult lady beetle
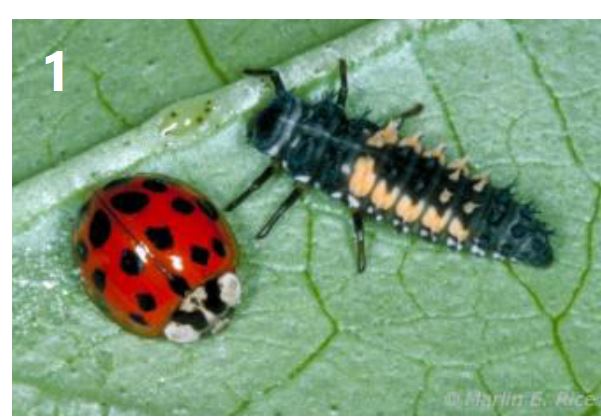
[158,256]
[379,174]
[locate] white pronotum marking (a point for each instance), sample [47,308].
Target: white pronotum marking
[229,292]
[230,289]
[194,300]
[180,333]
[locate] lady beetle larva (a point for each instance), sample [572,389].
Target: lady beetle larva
[379,174]
[158,256]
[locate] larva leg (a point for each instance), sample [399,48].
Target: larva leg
[359,240]
[272,74]
[343,91]
[254,186]
[277,214]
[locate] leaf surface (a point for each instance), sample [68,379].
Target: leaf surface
[424,330]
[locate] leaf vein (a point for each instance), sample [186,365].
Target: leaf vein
[105,103]
[325,343]
[488,390]
[59,43]
[444,107]
[420,393]
[553,97]
[205,51]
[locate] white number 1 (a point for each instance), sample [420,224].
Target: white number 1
[57,60]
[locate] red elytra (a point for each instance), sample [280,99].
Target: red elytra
[153,251]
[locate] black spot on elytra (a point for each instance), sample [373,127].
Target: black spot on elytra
[179,285]
[116,182]
[160,237]
[155,185]
[196,319]
[137,318]
[131,263]
[182,206]
[213,301]
[199,255]
[208,209]
[100,229]
[82,251]
[218,247]
[99,278]
[146,302]
[129,202]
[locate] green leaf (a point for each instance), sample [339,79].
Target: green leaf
[424,330]
[119,73]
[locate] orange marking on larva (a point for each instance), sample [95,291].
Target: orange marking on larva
[363,177]
[412,142]
[482,182]
[382,198]
[409,211]
[433,221]
[469,207]
[460,165]
[445,196]
[437,153]
[457,230]
[387,136]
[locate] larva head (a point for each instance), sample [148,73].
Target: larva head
[273,126]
